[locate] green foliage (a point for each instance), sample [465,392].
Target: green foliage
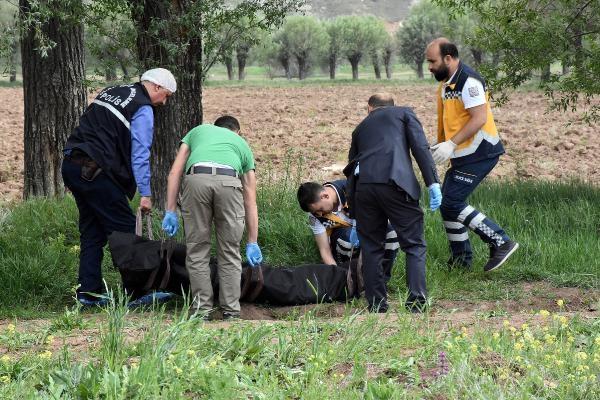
[305,38]
[532,35]
[424,23]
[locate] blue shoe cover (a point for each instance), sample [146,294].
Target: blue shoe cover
[151,298]
[99,302]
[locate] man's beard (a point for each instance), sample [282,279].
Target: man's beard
[442,73]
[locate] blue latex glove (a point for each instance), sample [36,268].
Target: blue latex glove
[354,237]
[253,254]
[170,223]
[435,196]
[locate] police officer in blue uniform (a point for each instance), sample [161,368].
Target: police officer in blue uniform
[106,158]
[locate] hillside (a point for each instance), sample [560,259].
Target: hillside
[390,10]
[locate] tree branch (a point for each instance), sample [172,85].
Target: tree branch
[578,14]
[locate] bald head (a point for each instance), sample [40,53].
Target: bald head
[442,47]
[381,100]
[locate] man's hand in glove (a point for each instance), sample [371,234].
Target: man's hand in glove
[435,196]
[170,224]
[443,151]
[354,237]
[253,254]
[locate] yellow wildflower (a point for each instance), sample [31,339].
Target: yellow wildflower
[50,339]
[570,339]
[191,353]
[552,385]
[506,323]
[473,348]
[134,365]
[524,327]
[513,329]
[10,328]
[560,302]
[597,340]
[549,338]
[544,313]
[46,355]
[178,370]
[5,379]
[5,359]
[580,355]
[496,335]
[518,346]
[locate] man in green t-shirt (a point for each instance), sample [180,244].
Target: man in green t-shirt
[219,187]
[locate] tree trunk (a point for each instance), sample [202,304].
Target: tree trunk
[387,61]
[12,61]
[285,63]
[419,69]
[354,60]
[184,109]
[54,98]
[477,56]
[301,67]
[332,65]
[545,77]
[110,73]
[123,65]
[242,56]
[229,65]
[565,68]
[376,67]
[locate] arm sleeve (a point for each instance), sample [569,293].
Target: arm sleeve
[419,147]
[473,94]
[316,225]
[142,127]
[353,152]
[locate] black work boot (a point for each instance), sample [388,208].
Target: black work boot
[230,316]
[499,254]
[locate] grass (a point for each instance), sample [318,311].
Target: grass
[551,355]
[164,354]
[556,225]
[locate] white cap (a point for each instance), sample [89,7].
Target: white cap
[162,77]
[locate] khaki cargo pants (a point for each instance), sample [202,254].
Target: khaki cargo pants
[208,199]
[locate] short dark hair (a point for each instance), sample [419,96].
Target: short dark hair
[309,193]
[448,49]
[229,122]
[381,100]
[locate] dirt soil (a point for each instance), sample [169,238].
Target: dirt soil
[316,122]
[444,315]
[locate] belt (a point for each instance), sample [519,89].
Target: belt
[213,171]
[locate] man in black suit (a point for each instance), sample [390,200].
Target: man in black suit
[387,189]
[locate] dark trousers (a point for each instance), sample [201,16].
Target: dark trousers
[375,205]
[341,249]
[103,208]
[459,216]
